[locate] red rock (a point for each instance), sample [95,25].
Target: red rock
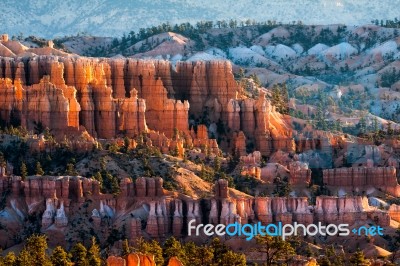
[132,119]
[228,212]
[146,260]
[115,261]
[263,210]
[239,141]
[4,38]
[363,178]
[213,215]
[174,261]
[133,259]
[177,223]
[221,188]
[20,72]
[61,219]
[300,174]
[140,187]
[117,73]
[152,222]
[48,105]
[348,210]
[394,212]
[193,211]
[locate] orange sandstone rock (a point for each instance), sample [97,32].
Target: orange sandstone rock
[115,261]
[174,261]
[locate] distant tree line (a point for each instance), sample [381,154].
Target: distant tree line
[388,23]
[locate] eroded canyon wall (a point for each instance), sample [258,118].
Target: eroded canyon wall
[145,209]
[125,96]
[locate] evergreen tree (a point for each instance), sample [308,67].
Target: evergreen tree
[115,189]
[23,258]
[79,255]
[231,258]
[153,248]
[173,248]
[324,261]
[275,249]
[70,171]
[24,171]
[282,187]
[39,170]
[93,255]
[175,151]
[34,252]
[99,178]
[217,164]
[191,248]
[390,130]
[358,259]
[338,125]
[362,125]
[218,249]
[127,143]
[375,125]
[9,259]
[156,250]
[205,256]
[280,98]
[126,249]
[59,257]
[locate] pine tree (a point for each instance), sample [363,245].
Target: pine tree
[126,249]
[217,164]
[153,248]
[274,248]
[156,250]
[127,143]
[173,248]
[59,257]
[362,125]
[39,170]
[93,255]
[358,259]
[70,171]
[390,130]
[99,178]
[324,261]
[9,259]
[231,258]
[375,125]
[115,189]
[205,255]
[198,256]
[79,255]
[34,252]
[24,171]
[218,249]
[191,248]
[24,258]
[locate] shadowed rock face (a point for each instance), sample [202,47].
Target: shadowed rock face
[363,178]
[145,209]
